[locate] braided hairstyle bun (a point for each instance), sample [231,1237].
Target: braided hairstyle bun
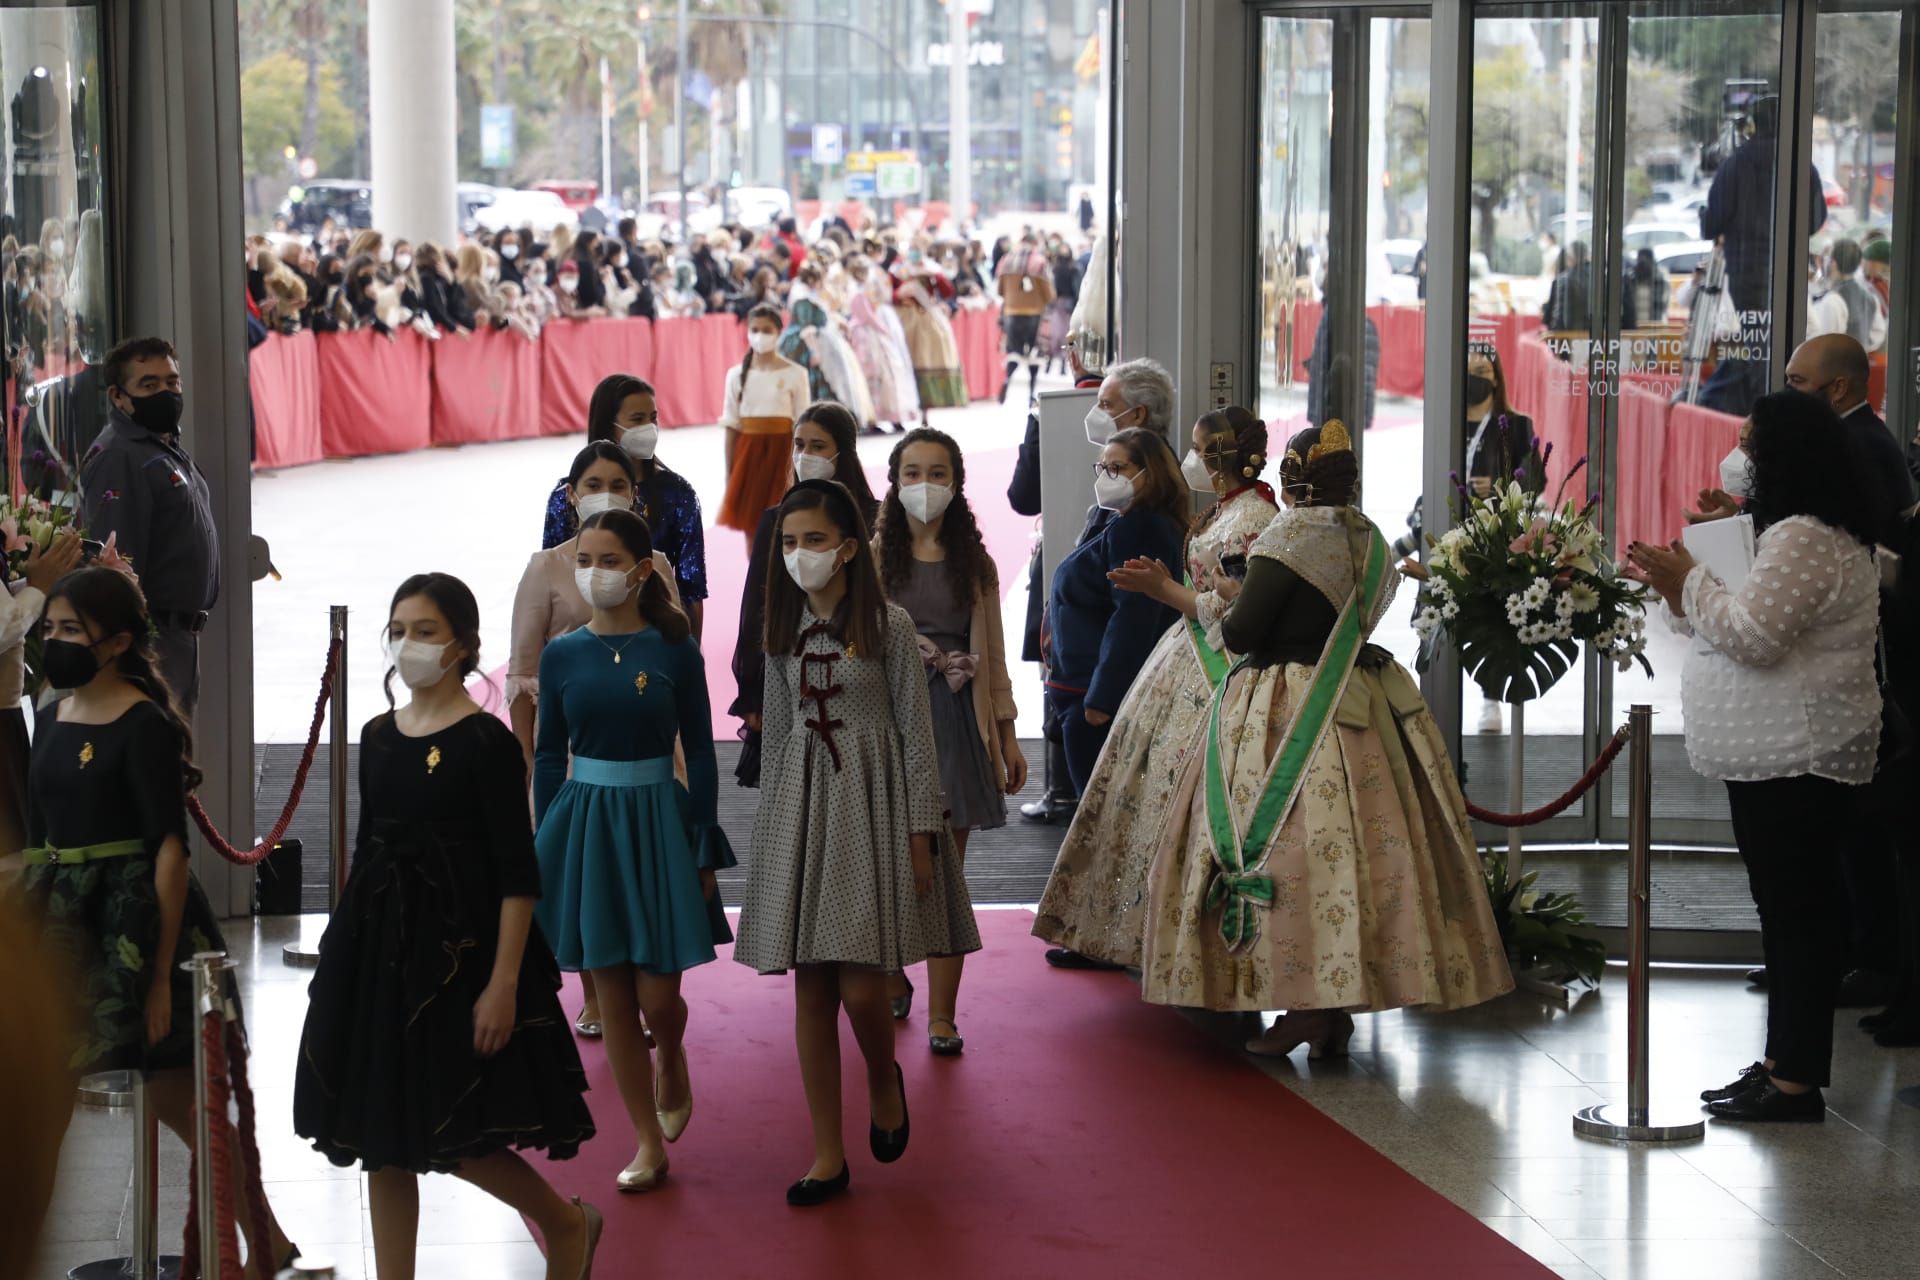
[1235,444]
[1320,468]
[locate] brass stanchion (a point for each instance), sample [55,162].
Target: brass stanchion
[1637,1121]
[304,952]
[144,1262]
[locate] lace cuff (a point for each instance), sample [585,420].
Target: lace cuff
[527,687]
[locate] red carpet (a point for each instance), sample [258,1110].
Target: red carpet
[1083,1134]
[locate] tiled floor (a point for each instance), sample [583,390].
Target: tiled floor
[1476,1104]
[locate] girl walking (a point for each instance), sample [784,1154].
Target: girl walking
[934,565]
[853,872]
[627,857]
[106,858]
[765,393]
[434,1040]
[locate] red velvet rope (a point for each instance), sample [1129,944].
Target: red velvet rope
[1600,765]
[250,857]
[220,1155]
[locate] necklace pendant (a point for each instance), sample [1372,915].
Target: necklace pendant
[616,657]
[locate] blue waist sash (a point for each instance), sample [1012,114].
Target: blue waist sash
[623,773]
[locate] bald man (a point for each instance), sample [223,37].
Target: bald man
[1835,366]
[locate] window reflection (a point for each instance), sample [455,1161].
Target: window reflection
[57,313]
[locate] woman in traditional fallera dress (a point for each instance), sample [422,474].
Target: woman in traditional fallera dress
[765,393]
[434,1039]
[1319,857]
[1094,902]
[921,300]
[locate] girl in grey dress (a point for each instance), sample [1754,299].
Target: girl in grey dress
[853,871]
[934,565]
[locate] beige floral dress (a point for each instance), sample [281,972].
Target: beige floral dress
[1094,900]
[1368,893]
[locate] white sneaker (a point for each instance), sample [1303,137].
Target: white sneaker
[1491,720]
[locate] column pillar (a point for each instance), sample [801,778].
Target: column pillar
[412,118]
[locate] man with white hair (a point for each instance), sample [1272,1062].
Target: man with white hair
[1135,393]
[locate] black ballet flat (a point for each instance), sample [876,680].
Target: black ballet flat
[903,1005]
[808,1192]
[890,1145]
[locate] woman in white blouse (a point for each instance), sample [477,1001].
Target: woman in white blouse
[1781,703]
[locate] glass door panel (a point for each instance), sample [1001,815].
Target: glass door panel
[1294,175]
[1533,318]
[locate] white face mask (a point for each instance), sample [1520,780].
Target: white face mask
[1195,470]
[1099,426]
[401,261]
[814,466]
[489,274]
[420,665]
[386,254]
[926,502]
[603,588]
[592,504]
[641,441]
[509,251]
[1115,493]
[812,570]
[57,248]
[568,283]
[762,342]
[1736,474]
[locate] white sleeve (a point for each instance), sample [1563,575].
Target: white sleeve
[20,607]
[730,414]
[1795,571]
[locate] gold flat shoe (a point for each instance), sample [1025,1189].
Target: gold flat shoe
[636,1181]
[594,1227]
[674,1123]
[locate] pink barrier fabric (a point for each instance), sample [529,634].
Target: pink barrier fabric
[486,386]
[691,357]
[576,354]
[376,393]
[977,333]
[1554,395]
[1403,349]
[1643,510]
[1697,439]
[284,375]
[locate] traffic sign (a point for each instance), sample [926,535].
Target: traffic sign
[870,161]
[828,144]
[861,186]
[899,179]
[496,136]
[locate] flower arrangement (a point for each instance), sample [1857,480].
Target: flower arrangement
[1537,926]
[28,526]
[1519,584]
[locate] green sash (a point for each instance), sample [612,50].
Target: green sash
[1213,663]
[1239,884]
[47,855]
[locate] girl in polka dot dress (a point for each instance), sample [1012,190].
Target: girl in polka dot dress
[853,871]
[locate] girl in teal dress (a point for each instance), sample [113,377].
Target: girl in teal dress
[627,857]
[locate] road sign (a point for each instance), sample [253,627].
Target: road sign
[828,144]
[861,186]
[899,179]
[870,161]
[496,136]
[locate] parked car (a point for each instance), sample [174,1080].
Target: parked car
[541,210]
[471,197]
[1680,258]
[758,206]
[702,217]
[348,201]
[578,193]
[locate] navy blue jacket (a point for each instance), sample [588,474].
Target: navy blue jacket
[1740,208]
[1101,634]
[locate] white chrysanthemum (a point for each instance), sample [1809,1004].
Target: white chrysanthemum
[1582,598]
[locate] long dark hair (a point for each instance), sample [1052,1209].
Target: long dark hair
[1801,465]
[608,396]
[109,602]
[656,604]
[1160,486]
[838,421]
[968,565]
[454,599]
[759,311]
[861,620]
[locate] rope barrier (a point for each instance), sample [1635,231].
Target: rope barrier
[1601,764]
[220,1156]
[251,857]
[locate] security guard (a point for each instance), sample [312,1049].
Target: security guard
[139,485]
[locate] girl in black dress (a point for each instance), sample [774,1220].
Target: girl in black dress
[434,1040]
[106,862]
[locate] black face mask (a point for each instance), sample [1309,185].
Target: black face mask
[68,664]
[159,412]
[1478,388]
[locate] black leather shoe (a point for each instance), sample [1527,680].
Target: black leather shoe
[890,1144]
[1757,977]
[1765,1103]
[1865,989]
[1753,1076]
[1062,958]
[809,1192]
[902,1006]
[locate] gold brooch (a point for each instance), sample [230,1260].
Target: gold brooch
[640,683]
[852,652]
[433,759]
[86,755]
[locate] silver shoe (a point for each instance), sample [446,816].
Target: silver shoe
[637,1181]
[588,1029]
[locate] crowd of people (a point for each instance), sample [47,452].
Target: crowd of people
[866,315]
[1263,812]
